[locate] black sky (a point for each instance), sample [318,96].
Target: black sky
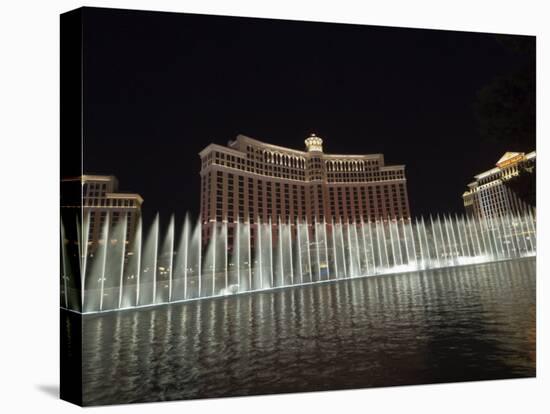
[159,87]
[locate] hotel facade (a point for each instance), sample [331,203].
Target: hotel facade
[250,180]
[102,201]
[488,195]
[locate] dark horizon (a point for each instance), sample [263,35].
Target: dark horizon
[159,87]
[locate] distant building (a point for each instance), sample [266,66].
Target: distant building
[250,180]
[489,195]
[101,201]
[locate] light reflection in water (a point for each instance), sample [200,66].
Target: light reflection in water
[456,324]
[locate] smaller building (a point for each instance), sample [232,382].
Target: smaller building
[101,201]
[489,195]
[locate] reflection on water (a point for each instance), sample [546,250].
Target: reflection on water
[456,324]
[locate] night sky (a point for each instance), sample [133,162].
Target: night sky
[159,87]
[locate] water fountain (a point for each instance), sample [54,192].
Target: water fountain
[177,265]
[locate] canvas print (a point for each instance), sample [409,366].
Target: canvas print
[258,206]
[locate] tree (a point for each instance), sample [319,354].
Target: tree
[506,107]
[524,185]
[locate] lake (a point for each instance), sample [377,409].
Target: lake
[456,324]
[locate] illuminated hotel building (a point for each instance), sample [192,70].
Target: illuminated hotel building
[488,196]
[250,180]
[101,201]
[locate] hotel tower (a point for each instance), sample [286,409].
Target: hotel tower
[250,180]
[101,201]
[489,196]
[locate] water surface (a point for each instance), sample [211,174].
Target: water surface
[456,324]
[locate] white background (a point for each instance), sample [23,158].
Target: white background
[29,162]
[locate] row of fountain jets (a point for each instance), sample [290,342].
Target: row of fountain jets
[118,273]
